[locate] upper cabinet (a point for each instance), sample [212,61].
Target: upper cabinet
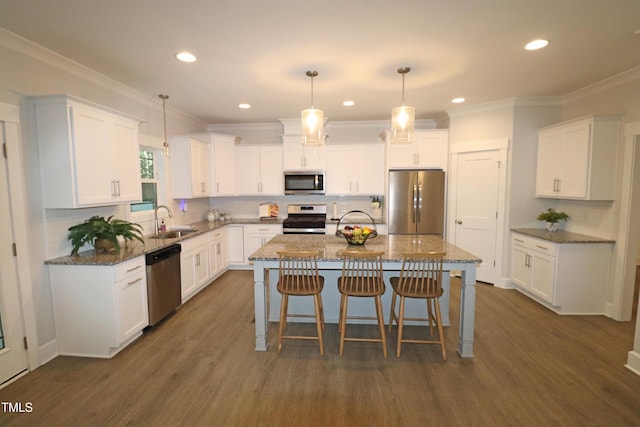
[224,166]
[296,156]
[576,160]
[354,169]
[429,150]
[190,172]
[259,170]
[89,154]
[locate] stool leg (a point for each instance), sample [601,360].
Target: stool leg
[429,316]
[340,312]
[400,325]
[319,326]
[343,322]
[392,314]
[321,310]
[381,324]
[440,329]
[283,319]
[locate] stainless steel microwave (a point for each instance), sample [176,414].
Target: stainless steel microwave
[304,182]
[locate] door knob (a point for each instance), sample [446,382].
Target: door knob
[458,221]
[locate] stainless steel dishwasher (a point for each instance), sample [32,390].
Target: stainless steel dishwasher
[164,293]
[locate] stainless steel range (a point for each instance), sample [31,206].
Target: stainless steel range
[305,219]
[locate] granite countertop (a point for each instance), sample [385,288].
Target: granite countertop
[560,236]
[393,247]
[135,249]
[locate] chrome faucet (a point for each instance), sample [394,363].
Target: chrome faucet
[155,215]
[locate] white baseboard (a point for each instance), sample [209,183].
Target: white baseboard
[633,362]
[48,352]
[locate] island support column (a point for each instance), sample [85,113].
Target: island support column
[467,311]
[260,302]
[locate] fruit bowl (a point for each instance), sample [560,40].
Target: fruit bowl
[356,234]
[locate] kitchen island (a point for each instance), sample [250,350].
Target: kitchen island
[330,263]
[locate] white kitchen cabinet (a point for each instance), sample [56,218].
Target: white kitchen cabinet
[569,278]
[259,170]
[576,160]
[190,172]
[430,150]
[256,235]
[224,166]
[296,156]
[235,244]
[98,309]
[355,169]
[217,252]
[89,155]
[194,265]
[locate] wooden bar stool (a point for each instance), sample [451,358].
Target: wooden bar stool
[420,277]
[361,277]
[298,276]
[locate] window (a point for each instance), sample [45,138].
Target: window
[149,175]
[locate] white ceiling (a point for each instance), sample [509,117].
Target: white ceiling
[258,51]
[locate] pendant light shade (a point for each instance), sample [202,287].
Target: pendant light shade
[165,144]
[403,118]
[312,120]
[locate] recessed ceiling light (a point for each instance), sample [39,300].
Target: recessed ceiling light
[536,44]
[458,100]
[348,103]
[186,57]
[244,106]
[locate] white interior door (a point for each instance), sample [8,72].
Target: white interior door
[13,355]
[476,215]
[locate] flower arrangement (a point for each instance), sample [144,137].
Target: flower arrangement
[552,217]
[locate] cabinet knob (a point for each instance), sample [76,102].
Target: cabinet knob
[458,221]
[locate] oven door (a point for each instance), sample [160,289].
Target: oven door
[304,182]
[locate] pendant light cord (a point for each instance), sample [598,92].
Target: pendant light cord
[165,144]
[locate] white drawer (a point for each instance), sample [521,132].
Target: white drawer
[531,243]
[129,268]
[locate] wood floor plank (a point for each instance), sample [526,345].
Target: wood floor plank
[199,368]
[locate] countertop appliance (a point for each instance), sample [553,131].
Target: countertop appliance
[164,292]
[416,201]
[305,219]
[304,182]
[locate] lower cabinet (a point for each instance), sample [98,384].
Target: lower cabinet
[98,310]
[256,235]
[569,278]
[217,252]
[235,244]
[194,265]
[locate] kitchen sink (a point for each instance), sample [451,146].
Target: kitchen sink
[174,234]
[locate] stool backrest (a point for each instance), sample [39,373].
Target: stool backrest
[421,274]
[362,271]
[298,272]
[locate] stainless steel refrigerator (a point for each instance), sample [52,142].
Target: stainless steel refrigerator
[416,202]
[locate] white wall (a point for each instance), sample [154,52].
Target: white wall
[29,70]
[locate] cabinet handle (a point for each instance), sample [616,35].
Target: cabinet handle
[519,241]
[134,268]
[202,187]
[217,187]
[417,158]
[139,279]
[542,247]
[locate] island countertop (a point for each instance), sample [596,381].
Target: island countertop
[393,246]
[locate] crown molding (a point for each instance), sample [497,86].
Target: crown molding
[606,84]
[35,51]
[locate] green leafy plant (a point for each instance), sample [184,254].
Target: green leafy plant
[109,229]
[552,216]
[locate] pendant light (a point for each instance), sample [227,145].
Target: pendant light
[312,120]
[402,118]
[165,144]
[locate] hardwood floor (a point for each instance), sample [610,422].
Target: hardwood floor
[199,368]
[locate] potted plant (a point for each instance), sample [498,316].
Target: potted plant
[552,217]
[103,234]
